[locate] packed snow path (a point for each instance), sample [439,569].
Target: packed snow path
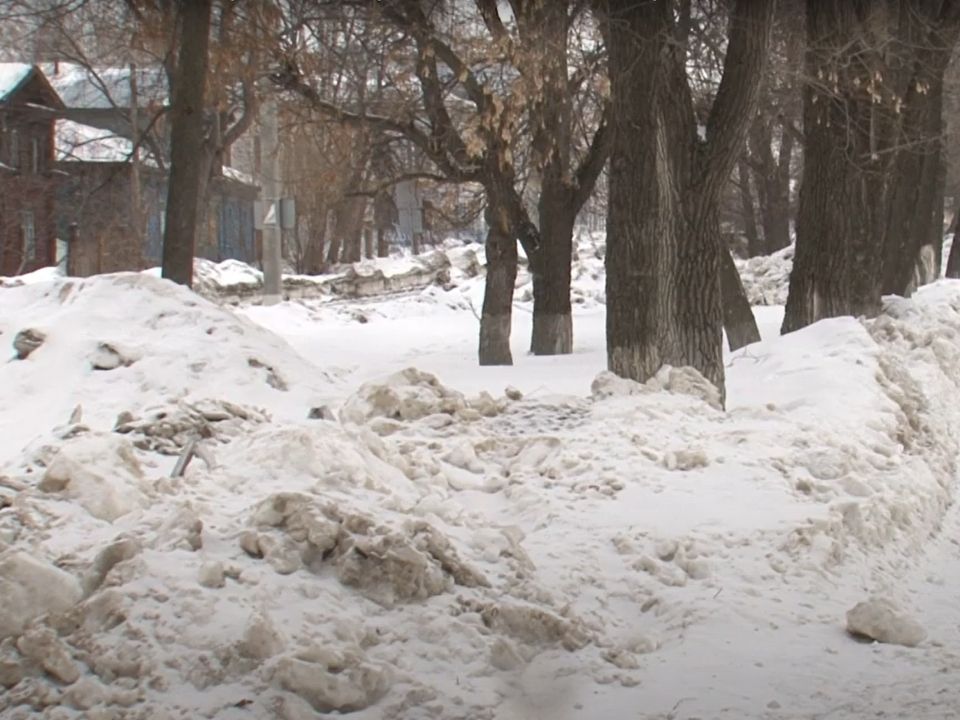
[577,547]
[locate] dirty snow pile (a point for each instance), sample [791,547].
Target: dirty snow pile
[766,278]
[403,549]
[234,280]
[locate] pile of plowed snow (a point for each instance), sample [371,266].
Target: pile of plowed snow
[418,553]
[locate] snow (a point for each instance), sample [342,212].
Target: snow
[75,141]
[439,546]
[11,76]
[238,175]
[100,88]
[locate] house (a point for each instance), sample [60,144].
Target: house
[112,209]
[28,178]
[111,204]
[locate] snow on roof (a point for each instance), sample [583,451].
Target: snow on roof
[238,175]
[105,88]
[12,75]
[75,141]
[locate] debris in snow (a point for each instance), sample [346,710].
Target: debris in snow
[112,555]
[512,393]
[321,412]
[413,394]
[333,680]
[261,639]
[687,459]
[186,455]
[273,377]
[101,472]
[29,588]
[26,341]
[41,646]
[108,357]
[681,381]
[169,429]
[881,620]
[386,566]
[211,575]
[533,625]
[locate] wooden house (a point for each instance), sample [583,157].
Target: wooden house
[28,178]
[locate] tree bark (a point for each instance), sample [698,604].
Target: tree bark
[738,320]
[953,260]
[915,215]
[187,126]
[496,316]
[836,268]
[640,260]
[383,243]
[351,232]
[748,212]
[552,312]
[772,176]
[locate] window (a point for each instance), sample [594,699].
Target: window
[29,235]
[35,154]
[14,149]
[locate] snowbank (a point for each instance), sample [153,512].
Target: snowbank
[132,343]
[429,554]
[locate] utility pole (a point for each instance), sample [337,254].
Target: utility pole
[270,184]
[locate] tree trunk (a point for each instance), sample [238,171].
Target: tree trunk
[544,26]
[313,260]
[663,249]
[776,216]
[640,260]
[836,268]
[496,317]
[368,243]
[552,313]
[351,232]
[738,320]
[383,243]
[916,198]
[953,260]
[748,213]
[772,177]
[871,179]
[186,142]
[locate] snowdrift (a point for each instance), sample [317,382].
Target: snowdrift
[416,552]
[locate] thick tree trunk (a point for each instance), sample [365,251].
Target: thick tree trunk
[552,314]
[748,212]
[187,142]
[836,268]
[916,197]
[738,320]
[869,200]
[496,317]
[663,250]
[640,260]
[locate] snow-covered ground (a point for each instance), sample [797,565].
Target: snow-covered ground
[446,541]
